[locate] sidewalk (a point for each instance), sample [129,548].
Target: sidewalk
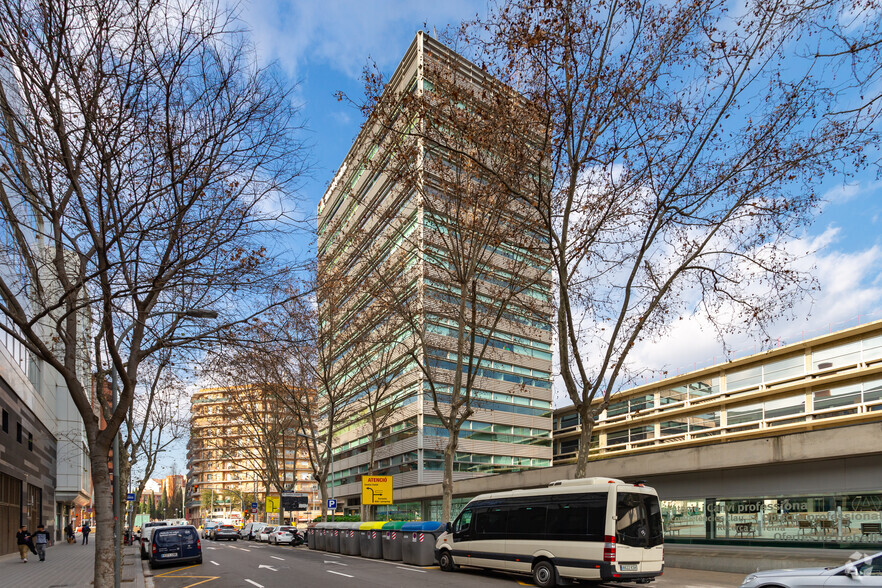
[67,566]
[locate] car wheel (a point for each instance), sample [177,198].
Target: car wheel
[544,574]
[445,560]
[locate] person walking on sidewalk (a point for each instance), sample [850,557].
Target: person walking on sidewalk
[23,538]
[86,531]
[69,533]
[41,542]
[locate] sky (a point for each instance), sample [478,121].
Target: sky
[324,46]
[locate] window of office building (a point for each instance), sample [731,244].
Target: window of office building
[845,354]
[768,373]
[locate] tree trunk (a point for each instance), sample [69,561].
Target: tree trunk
[585,435]
[323,490]
[447,483]
[102,502]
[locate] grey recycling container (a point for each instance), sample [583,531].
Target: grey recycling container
[392,541]
[349,539]
[418,542]
[370,536]
[332,538]
[311,532]
[320,534]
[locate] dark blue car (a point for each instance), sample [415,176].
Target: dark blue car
[175,545]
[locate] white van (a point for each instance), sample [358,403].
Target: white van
[587,529]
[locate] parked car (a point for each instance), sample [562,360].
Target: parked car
[251,530]
[263,535]
[146,532]
[863,572]
[207,529]
[178,544]
[280,535]
[227,532]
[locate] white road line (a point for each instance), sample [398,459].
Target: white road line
[329,555]
[336,563]
[338,573]
[278,558]
[411,569]
[215,563]
[253,583]
[243,549]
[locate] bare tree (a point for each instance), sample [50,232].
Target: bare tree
[157,420]
[144,159]
[682,148]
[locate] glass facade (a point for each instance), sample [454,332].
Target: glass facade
[833,520]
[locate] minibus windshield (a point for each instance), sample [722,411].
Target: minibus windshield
[638,520]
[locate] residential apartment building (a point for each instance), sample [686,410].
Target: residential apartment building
[367,218]
[235,435]
[781,447]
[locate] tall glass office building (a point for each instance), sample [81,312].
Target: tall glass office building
[365,218]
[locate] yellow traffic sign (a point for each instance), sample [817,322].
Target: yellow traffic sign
[376,489]
[272,503]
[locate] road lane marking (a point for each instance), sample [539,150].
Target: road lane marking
[214,562]
[338,573]
[336,563]
[411,569]
[278,558]
[242,549]
[173,571]
[271,568]
[253,583]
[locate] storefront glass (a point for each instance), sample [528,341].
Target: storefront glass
[829,519]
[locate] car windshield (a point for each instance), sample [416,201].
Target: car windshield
[227,527]
[267,530]
[289,529]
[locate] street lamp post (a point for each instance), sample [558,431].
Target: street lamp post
[200,313]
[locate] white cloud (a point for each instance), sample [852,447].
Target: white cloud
[850,294]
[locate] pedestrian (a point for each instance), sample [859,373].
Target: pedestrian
[86,531]
[41,541]
[69,533]
[23,538]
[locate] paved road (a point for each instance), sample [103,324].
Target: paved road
[254,565]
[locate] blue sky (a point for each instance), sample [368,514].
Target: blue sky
[325,45]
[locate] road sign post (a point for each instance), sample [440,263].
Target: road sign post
[130,496]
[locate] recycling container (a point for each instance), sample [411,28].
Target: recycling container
[392,541]
[332,537]
[311,532]
[370,537]
[320,531]
[349,543]
[418,542]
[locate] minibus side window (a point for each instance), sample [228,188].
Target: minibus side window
[527,522]
[491,523]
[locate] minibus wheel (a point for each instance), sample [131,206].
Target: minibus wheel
[544,574]
[445,561]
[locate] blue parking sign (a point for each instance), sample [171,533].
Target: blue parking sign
[332,504]
[130,496]
[254,506]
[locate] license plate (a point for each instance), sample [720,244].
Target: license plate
[169,555]
[629,567]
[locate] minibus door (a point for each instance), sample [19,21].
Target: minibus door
[639,536]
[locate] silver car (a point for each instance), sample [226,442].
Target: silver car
[863,572]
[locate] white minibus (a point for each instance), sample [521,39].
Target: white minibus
[587,529]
